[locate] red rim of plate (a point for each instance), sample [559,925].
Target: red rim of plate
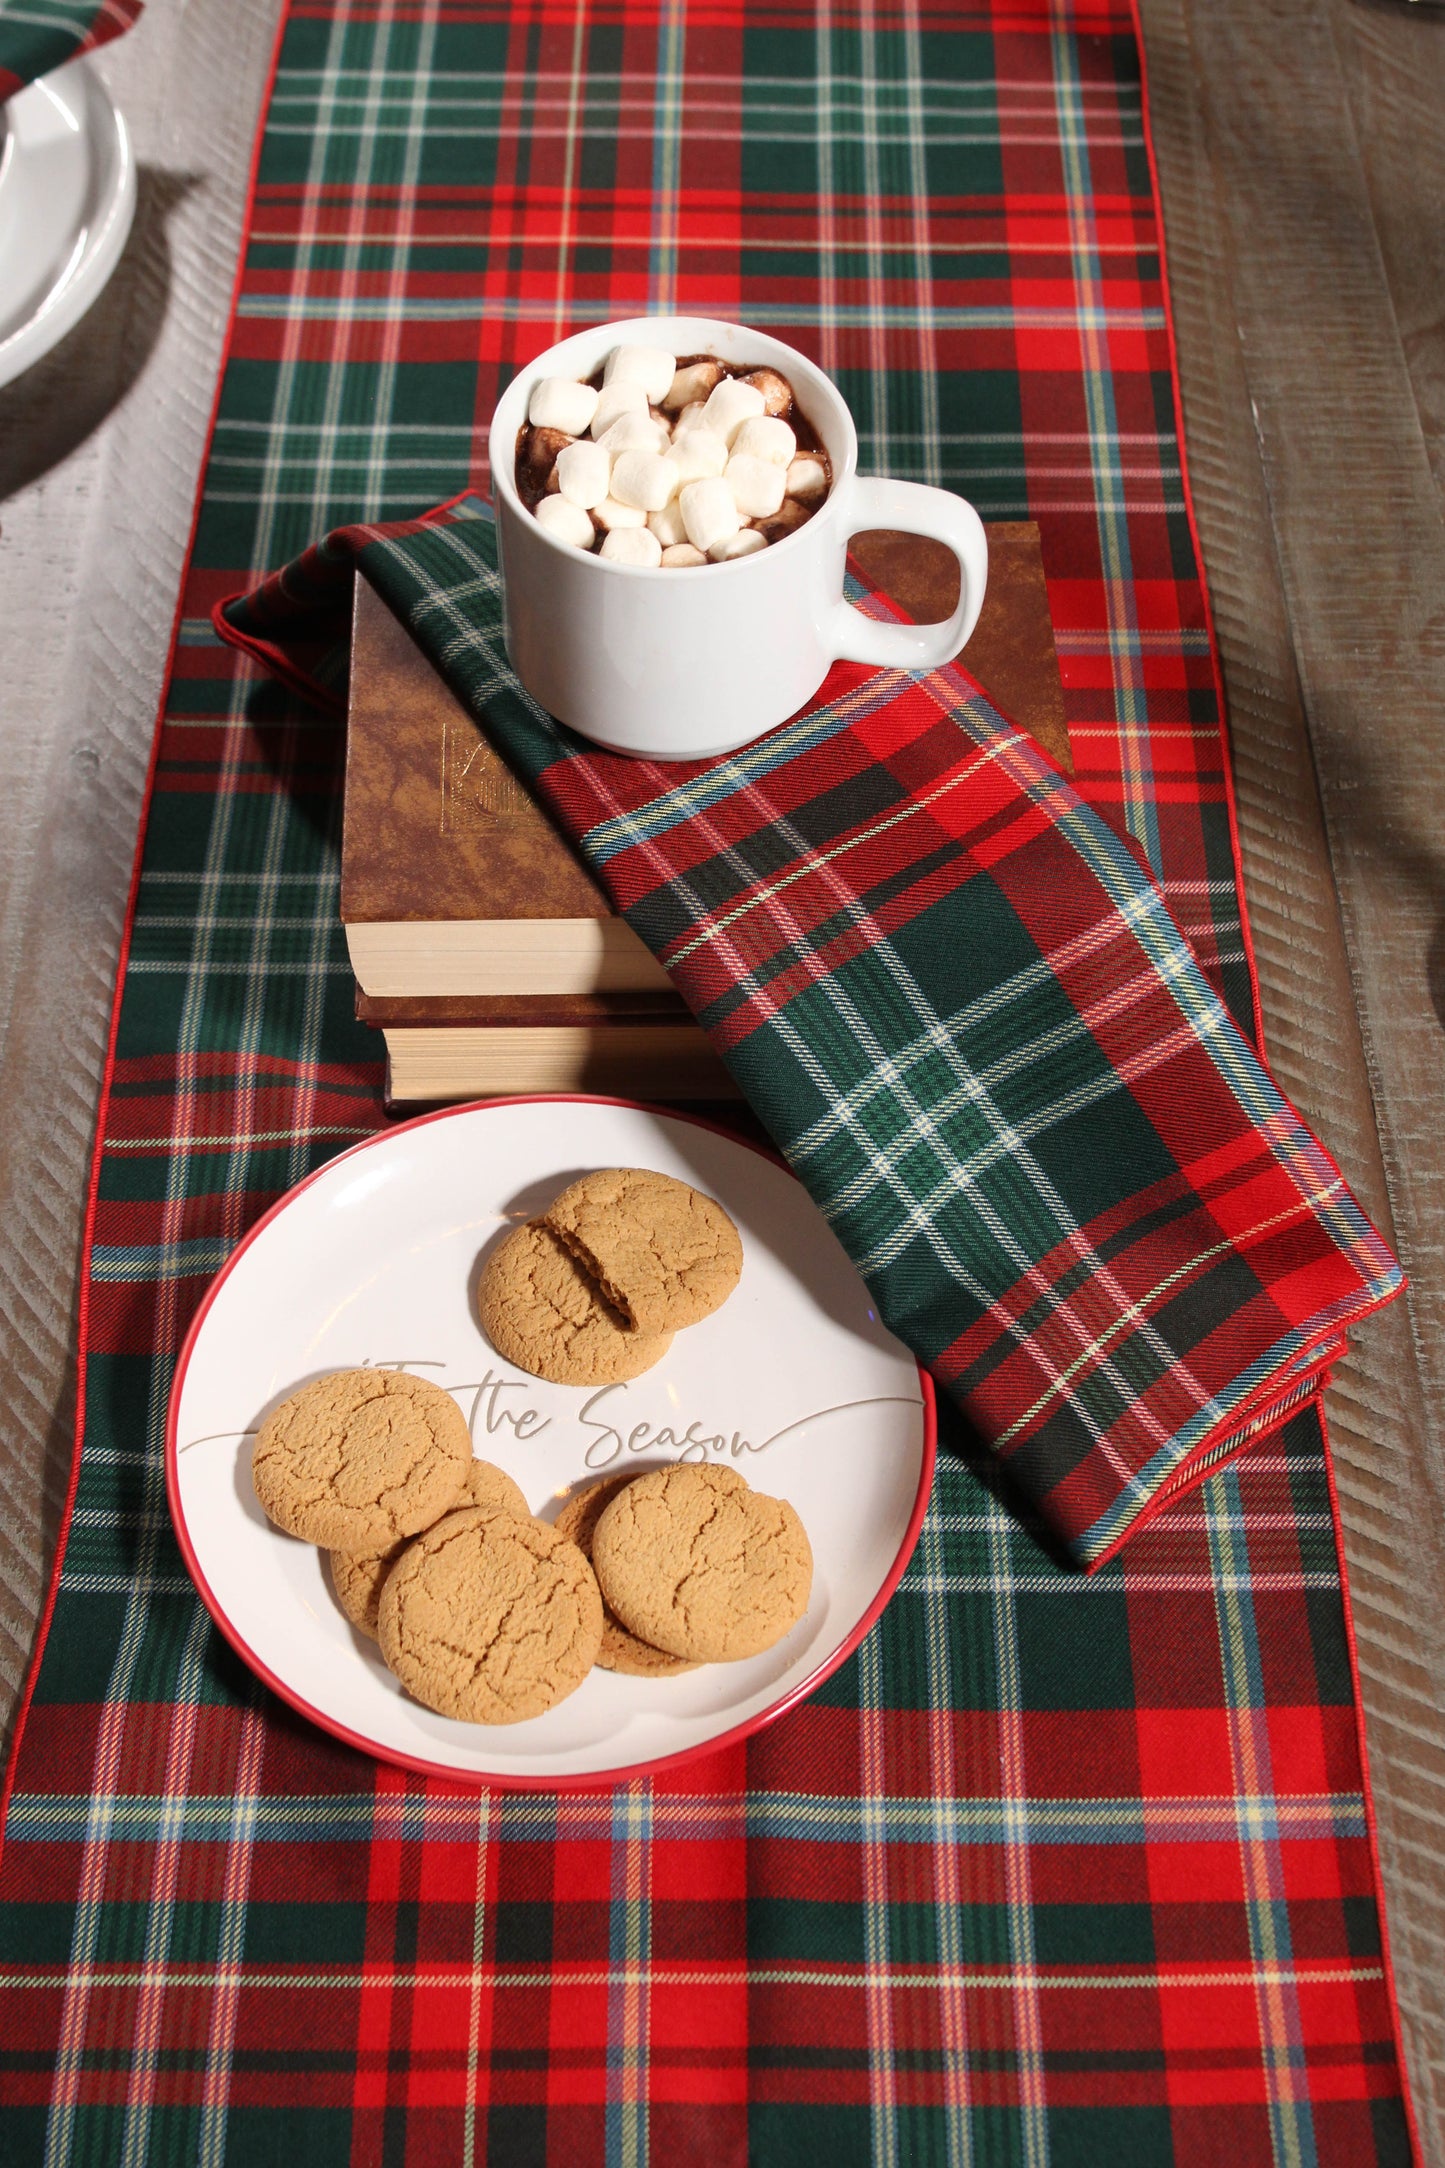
[471,1780]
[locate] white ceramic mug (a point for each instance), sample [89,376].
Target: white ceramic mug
[682,664]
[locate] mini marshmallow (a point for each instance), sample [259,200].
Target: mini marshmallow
[756,484]
[698,454]
[565,521]
[765,438]
[560,402]
[709,513]
[633,546]
[584,472]
[612,514]
[776,390]
[614,400]
[741,545]
[807,477]
[636,433]
[645,479]
[644,365]
[690,415]
[731,404]
[681,554]
[667,525]
[693,383]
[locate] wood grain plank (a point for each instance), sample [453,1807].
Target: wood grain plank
[1393,65]
[100,448]
[1268,385]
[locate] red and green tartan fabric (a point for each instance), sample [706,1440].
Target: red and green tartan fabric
[38,35]
[1058,1868]
[960,1008]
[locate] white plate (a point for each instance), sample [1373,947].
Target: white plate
[374,1260]
[67,197]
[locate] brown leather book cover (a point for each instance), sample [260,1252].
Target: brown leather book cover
[1011,652]
[436,827]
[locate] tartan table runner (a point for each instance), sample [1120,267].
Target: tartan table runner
[962,1012]
[38,35]
[1057,1868]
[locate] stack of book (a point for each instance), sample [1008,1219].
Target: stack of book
[483,951]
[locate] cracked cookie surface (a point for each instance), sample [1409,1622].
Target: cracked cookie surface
[490,1618]
[542,1311]
[358,1459]
[358,1576]
[620,1650]
[664,1254]
[695,1562]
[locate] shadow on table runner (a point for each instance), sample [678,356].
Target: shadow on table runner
[1051,1867]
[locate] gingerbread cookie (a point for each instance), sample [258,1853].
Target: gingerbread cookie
[490,1486]
[357,1579]
[358,1459]
[541,1311]
[490,1618]
[663,1254]
[696,1563]
[358,1576]
[620,1650]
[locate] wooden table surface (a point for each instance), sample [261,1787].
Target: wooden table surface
[1301,155]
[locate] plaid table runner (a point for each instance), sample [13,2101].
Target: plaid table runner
[961,1010]
[38,35]
[1056,1868]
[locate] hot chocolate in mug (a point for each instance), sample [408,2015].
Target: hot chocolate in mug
[681,664]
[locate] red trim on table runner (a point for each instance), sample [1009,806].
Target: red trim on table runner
[590,1780]
[1231,806]
[277,663]
[1391,1996]
[102,1111]
[1371,1827]
[278,660]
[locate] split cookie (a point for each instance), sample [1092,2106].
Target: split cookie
[695,1562]
[542,1311]
[361,1458]
[358,1576]
[620,1650]
[490,1618]
[662,1253]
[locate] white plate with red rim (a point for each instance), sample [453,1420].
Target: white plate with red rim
[374,1260]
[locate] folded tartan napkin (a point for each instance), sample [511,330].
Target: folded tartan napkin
[963,1012]
[38,35]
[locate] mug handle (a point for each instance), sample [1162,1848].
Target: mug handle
[917,509]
